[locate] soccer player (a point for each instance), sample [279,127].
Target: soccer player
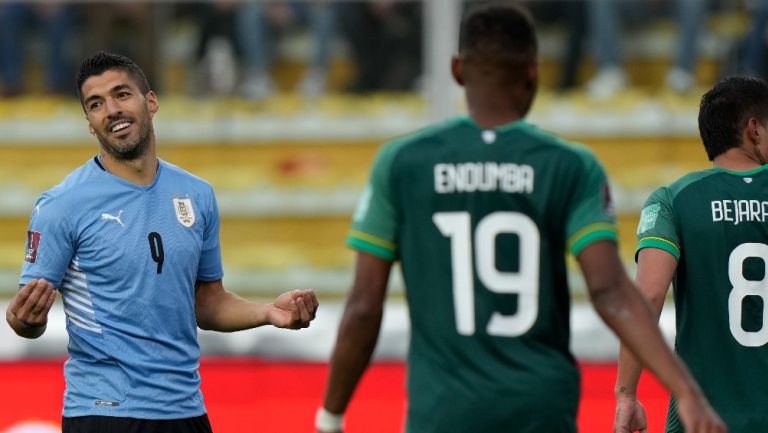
[131,243]
[479,210]
[707,233]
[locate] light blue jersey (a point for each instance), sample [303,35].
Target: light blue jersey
[125,259]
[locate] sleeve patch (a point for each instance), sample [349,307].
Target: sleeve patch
[33,243]
[648,218]
[363,204]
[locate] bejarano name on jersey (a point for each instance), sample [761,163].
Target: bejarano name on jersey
[483,176]
[737,211]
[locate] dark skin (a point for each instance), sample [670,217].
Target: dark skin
[493,103]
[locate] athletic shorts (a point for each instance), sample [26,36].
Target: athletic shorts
[111,424]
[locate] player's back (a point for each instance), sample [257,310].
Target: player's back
[485,216]
[721,287]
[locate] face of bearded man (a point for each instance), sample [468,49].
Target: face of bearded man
[130,145]
[119,115]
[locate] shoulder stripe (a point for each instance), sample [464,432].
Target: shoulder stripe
[371,248]
[372,239]
[590,234]
[591,228]
[660,243]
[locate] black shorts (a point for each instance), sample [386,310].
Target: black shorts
[112,424]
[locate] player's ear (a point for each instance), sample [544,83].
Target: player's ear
[457,70]
[754,126]
[532,76]
[152,104]
[91,130]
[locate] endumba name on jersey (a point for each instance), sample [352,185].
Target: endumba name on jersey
[738,211]
[483,176]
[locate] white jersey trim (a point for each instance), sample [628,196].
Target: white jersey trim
[77,299]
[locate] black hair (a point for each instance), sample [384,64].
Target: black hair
[103,61]
[725,110]
[498,33]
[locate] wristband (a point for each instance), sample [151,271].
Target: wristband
[329,422]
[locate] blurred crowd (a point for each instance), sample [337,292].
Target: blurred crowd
[236,48]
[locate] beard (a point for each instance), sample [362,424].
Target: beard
[130,147]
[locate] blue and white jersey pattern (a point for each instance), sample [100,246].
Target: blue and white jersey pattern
[77,300]
[125,259]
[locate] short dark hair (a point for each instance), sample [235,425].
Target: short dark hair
[725,110]
[498,33]
[104,61]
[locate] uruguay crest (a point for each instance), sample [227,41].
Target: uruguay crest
[184,211]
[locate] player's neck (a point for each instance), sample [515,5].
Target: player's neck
[488,118]
[491,110]
[737,159]
[140,171]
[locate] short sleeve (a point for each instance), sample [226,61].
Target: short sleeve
[374,224]
[592,216]
[657,224]
[210,268]
[51,242]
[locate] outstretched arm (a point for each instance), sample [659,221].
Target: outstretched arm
[28,311]
[624,310]
[217,309]
[655,270]
[358,332]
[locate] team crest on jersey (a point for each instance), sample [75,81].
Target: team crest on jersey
[648,218]
[33,243]
[184,211]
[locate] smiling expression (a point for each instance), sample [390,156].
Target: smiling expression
[119,115]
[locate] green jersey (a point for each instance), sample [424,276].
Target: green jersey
[480,221]
[715,223]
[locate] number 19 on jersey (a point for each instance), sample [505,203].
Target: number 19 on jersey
[482,247]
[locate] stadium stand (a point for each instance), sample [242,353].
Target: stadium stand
[288,172]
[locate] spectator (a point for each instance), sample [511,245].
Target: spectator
[385,43]
[754,44]
[217,47]
[605,17]
[127,27]
[56,23]
[258,24]
[572,15]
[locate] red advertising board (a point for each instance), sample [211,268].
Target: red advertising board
[253,395]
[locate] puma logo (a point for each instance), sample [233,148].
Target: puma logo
[108,217]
